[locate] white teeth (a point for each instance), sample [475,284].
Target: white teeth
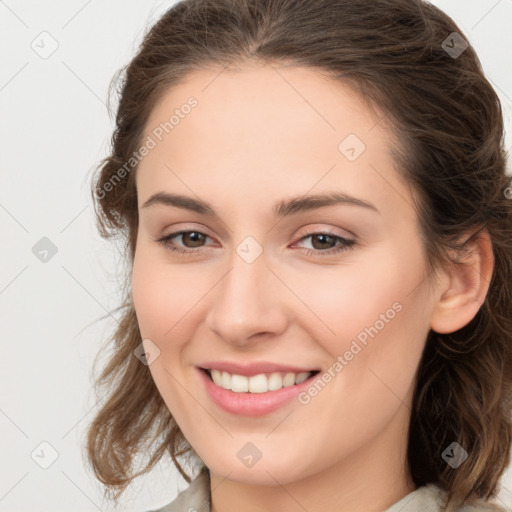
[216,377]
[289,380]
[260,383]
[226,380]
[275,381]
[239,383]
[257,383]
[301,377]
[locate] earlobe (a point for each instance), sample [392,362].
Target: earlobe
[461,295]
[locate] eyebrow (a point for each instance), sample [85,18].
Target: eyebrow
[281,209]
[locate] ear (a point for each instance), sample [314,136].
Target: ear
[464,287]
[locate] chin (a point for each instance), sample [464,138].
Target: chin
[270,472]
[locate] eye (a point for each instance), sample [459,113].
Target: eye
[194,238]
[325,244]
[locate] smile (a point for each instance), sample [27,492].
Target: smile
[254,395]
[261,383]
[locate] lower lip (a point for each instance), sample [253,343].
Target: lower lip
[252,404]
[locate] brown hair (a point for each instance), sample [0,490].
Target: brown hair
[449,122]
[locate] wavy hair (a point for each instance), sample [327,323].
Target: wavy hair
[449,123]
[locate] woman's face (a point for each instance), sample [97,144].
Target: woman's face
[272,165]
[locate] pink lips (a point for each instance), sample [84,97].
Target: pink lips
[252,404]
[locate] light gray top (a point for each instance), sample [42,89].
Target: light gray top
[427,498]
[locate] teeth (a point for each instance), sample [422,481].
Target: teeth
[225,380]
[260,383]
[239,383]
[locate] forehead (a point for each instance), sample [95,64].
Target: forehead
[272,127]
[267,97]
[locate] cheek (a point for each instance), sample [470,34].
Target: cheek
[162,295]
[164,300]
[373,316]
[341,301]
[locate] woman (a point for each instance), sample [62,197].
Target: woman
[318,224]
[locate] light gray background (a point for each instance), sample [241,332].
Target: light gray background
[54,128]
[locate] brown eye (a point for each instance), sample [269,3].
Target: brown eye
[325,241]
[326,244]
[190,240]
[194,237]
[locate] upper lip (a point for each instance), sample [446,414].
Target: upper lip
[253,368]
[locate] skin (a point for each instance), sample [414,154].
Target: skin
[259,135]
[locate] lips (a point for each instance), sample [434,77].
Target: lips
[256,388]
[252,403]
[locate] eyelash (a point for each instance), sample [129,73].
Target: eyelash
[347,244]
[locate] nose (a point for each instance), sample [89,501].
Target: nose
[248,304]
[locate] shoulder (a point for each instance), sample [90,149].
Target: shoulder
[431,498]
[195,498]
